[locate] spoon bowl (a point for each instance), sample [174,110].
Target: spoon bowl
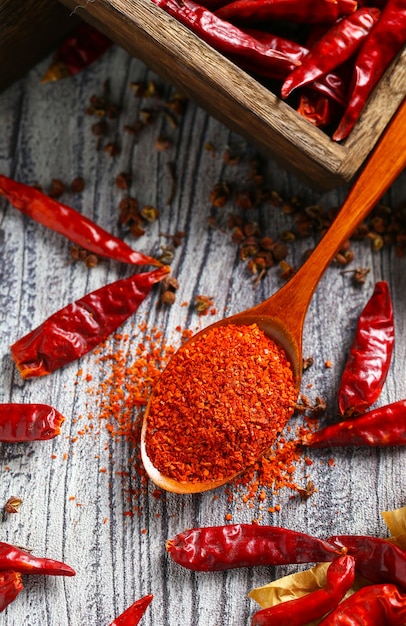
[282,316]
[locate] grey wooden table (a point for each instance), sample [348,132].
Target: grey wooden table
[83,500]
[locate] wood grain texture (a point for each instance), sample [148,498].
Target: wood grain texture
[75,496]
[29,30]
[237,99]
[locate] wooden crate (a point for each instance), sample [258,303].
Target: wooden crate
[237,99]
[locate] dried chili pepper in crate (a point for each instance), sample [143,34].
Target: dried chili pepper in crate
[375,55]
[378,560]
[82,325]
[330,84]
[335,47]
[29,422]
[313,606]
[223,36]
[10,586]
[373,605]
[297,11]
[385,426]
[316,108]
[68,222]
[19,560]
[83,47]
[132,615]
[244,545]
[370,355]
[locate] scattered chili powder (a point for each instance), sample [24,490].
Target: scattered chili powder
[131,366]
[219,404]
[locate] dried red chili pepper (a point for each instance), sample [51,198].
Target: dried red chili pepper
[370,354]
[82,48]
[314,605]
[29,422]
[215,548]
[335,47]
[385,426]
[370,606]
[223,36]
[19,560]
[10,586]
[376,559]
[297,11]
[331,85]
[376,53]
[318,109]
[133,614]
[68,222]
[80,326]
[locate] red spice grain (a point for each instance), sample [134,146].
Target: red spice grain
[222,401]
[131,367]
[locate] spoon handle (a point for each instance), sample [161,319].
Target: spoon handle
[384,165]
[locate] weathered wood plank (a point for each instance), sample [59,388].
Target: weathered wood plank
[75,498]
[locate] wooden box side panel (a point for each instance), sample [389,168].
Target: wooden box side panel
[29,30]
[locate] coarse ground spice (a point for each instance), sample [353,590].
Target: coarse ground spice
[131,364]
[221,402]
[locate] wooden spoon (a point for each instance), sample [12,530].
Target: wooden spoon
[282,315]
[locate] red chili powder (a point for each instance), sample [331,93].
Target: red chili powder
[220,403]
[131,367]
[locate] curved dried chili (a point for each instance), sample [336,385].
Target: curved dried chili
[222,35]
[378,560]
[335,47]
[19,560]
[68,222]
[298,11]
[370,606]
[80,49]
[82,325]
[370,354]
[133,614]
[216,548]
[385,426]
[314,605]
[375,55]
[28,422]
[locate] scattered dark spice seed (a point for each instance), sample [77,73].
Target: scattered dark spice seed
[167,255]
[148,116]
[176,103]
[135,129]
[220,194]
[88,258]
[123,180]
[168,297]
[203,304]
[77,185]
[112,149]
[308,362]
[170,283]
[173,122]
[129,211]
[308,491]
[149,213]
[163,143]
[57,188]
[230,157]
[100,128]
[13,505]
